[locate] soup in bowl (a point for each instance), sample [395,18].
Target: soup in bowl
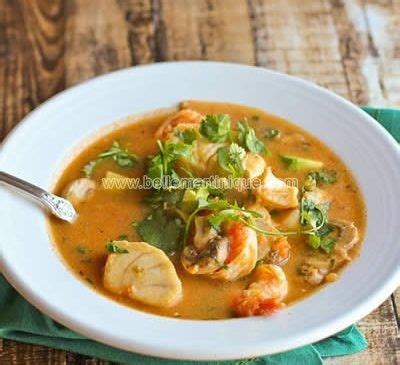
[209,211]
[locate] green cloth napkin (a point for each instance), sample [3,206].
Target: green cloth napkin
[388,118]
[20,321]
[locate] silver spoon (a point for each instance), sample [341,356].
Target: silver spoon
[60,207]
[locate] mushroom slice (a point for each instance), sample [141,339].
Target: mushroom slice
[209,260]
[318,265]
[208,252]
[79,190]
[315,267]
[204,233]
[144,273]
[312,274]
[275,193]
[346,239]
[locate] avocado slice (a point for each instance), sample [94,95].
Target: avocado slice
[300,163]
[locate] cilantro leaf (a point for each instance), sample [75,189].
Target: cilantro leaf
[222,211]
[218,218]
[323,177]
[187,136]
[247,138]
[112,247]
[161,231]
[312,215]
[315,216]
[121,156]
[193,198]
[272,133]
[81,249]
[216,128]
[89,168]
[162,164]
[322,239]
[165,198]
[328,244]
[230,159]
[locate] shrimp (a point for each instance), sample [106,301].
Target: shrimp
[279,252]
[264,295]
[242,257]
[271,249]
[183,119]
[227,255]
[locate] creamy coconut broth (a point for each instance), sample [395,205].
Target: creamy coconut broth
[207,253]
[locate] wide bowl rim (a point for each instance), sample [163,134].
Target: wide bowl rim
[310,336]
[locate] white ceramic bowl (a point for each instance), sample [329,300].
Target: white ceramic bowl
[37,149]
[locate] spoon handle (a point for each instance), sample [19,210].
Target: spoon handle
[22,185]
[60,207]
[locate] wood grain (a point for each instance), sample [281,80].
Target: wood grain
[351,47]
[94,43]
[31,56]
[141,18]
[382,24]
[204,29]
[383,338]
[297,41]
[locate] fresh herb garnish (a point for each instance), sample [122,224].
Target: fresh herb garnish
[112,247]
[216,128]
[161,231]
[123,237]
[312,215]
[164,198]
[328,244]
[272,133]
[82,250]
[247,138]
[187,136]
[121,156]
[321,239]
[89,167]
[192,198]
[222,211]
[323,177]
[315,217]
[163,163]
[234,214]
[230,159]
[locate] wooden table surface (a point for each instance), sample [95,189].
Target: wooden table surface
[350,47]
